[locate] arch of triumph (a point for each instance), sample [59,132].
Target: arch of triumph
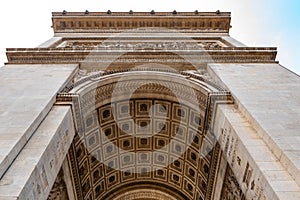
[148,105]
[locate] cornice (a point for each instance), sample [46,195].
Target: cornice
[199,14]
[79,55]
[119,21]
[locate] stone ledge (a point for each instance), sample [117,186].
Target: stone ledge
[268,96]
[267,177]
[33,172]
[28,92]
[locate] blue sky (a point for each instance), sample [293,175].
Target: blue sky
[273,23]
[279,25]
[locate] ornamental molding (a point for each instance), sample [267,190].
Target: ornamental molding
[120,21]
[96,88]
[217,55]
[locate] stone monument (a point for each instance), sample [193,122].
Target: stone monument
[148,105]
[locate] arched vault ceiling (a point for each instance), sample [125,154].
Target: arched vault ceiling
[135,131]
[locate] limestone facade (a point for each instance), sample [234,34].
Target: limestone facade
[150,105]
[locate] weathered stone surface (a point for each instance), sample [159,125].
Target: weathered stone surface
[268,97]
[49,43]
[27,94]
[243,145]
[33,172]
[256,168]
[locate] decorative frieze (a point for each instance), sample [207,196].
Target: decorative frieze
[211,55]
[231,189]
[59,189]
[142,46]
[116,22]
